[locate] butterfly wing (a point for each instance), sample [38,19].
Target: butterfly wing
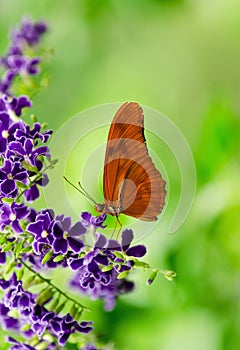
[130,177]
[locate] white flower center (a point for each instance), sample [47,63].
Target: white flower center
[44,234]
[5,134]
[12,217]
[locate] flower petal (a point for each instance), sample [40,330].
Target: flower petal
[75,244]
[60,245]
[127,237]
[77,229]
[76,263]
[137,251]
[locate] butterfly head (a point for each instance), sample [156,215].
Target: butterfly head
[100,208]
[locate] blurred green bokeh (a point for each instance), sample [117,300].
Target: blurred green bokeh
[182,58]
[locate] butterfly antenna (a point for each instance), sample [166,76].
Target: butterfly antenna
[86,194]
[76,188]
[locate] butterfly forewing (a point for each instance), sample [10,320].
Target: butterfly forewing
[131,180]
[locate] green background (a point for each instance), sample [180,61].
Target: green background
[182,58]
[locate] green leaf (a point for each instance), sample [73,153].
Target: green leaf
[138,263]
[18,248]
[30,239]
[107,268]
[21,185]
[10,267]
[47,257]
[54,161]
[73,311]
[54,304]
[119,255]
[3,239]
[123,274]
[26,327]
[39,281]
[44,125]
[7,200]
[60,307]
[7,247]
[20,274]
[59,258]
[27,249]
[45,295]
[78,314]
[33,118]
[45,80]
[29,281]
[28,166]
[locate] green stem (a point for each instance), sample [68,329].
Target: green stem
[46,280]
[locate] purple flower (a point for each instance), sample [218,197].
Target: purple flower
[12,214]
[11,282]
[18,143]
[137,251]
[96,221]
[16,62]
[2,257]
[7,130]
[8,322]
[41,228]
[69,326]
[65,236]
[11,172]
[4,131]
[101,285]
[27,151]
[17,298]
[6,81]
[93,280]
[60,327]
[34,134]
[55,233]
[14,105]
[28,32]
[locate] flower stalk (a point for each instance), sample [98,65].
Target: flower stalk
[55,288]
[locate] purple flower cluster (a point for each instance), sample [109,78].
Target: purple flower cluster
[97,273]
[16,62]
[22,156]
[96,269]
[36,316]
[22,152]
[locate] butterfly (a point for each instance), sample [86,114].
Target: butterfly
[131,183]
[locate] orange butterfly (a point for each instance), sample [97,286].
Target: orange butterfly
[131,183]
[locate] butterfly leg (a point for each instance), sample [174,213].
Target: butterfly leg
[120,228]
[115,226]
